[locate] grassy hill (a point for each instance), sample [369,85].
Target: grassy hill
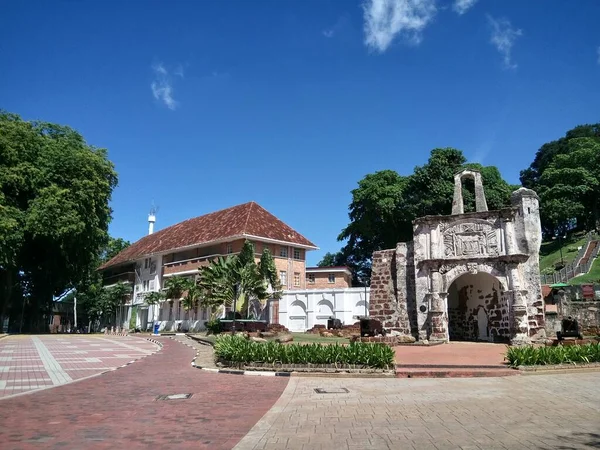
[550,251]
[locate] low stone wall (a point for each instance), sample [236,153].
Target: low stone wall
[586,313]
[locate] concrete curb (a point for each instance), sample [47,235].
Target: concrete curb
[273,373]
[558,369]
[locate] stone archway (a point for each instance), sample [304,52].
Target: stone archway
[477,309]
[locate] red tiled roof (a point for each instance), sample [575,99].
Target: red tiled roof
[248,219]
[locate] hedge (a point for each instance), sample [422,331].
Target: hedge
[541,356]
[238,350]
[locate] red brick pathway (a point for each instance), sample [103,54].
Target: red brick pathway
[455,359]
[470,354]
[119,409]
[38,362]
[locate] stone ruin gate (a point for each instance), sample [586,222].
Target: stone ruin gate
[467,276]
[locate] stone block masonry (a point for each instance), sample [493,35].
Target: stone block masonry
[474,275]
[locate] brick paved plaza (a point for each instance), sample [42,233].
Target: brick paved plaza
[120,408]
[38,362]
[524,412]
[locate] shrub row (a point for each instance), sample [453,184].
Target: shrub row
[238,350]
[536,356]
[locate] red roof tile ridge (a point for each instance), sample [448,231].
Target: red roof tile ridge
[248,217]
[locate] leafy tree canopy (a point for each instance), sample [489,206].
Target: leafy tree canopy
[385,203]
[54,213]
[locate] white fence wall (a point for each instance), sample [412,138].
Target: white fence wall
[300,310]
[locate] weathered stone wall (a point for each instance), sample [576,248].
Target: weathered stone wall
[478,309]
[528,239]
[579,302]
[586,313]
[392,289]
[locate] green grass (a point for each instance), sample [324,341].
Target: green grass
[550,251]
[593,276]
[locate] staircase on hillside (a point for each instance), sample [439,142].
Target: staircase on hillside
[581,265]
[588,253]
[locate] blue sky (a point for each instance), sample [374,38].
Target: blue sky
[204,105]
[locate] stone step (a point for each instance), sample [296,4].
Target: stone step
[454,373]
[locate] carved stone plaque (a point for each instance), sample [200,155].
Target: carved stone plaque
[471,239]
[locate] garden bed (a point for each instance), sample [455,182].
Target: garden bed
[552,356]
[238,352]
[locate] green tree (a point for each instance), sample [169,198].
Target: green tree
[113,248]
[330,259]
[191,297]
[385,204]
[269,273]
[530,177]
[558,206]
[569,187]
[113,300]
[54,214]
[236,278]
[175,287]
[153,298]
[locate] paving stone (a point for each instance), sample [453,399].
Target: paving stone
[478,413]
[118,409]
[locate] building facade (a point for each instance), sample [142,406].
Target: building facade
[179,250]
[328,278]
[301,310]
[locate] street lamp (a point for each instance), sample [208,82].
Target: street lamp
[562,261]
[235,296]
[365,281]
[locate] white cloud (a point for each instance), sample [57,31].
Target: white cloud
[340,24]
[162,88]
[599,54]
[462,6]
[386,19]
[503,38]
[179,71]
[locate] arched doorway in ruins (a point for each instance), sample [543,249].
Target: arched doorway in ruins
[476,308]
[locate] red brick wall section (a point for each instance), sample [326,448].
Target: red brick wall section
[322,281]
[382,287]
[392,289]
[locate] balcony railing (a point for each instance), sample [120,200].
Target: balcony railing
[188,265]
[122,277]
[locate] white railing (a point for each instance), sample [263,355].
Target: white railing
[575,268]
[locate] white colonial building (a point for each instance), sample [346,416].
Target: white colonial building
[301,310]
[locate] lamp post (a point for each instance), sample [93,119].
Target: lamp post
[559,237]
[366,283]
[235,296]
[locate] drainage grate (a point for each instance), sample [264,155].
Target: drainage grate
[174,397]
[331,391]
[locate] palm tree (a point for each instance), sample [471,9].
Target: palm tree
[154,298]
[175,287]
[192,296]
[224,278]
[116,297]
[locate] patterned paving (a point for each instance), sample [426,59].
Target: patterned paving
[37,362]
[120,409]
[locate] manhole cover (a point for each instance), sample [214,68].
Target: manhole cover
[174,397]
[331,391]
